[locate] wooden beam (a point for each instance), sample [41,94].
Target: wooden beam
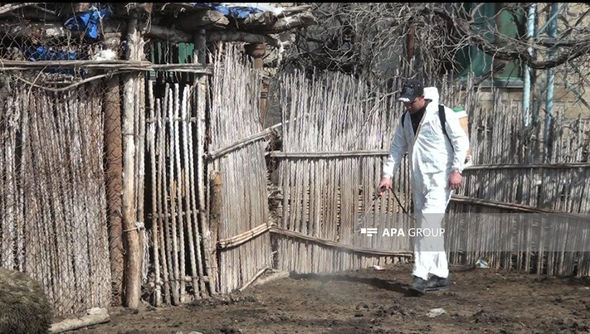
[245,141]
[12,6]
[289,23]
[119,66]
[334,244]
[295,10]
[512,206]
[199,199]
[41,31]
[410,41]
[32,13]
[242,142]
[229,36]
[257,52]
[38,32]
[324,155]
[95,316]
[242,237]
[168,34]
[175,8]
[200,51]
[275,275]
[71,8]
[530,166]
[195,20]
[253,279]
[260,19]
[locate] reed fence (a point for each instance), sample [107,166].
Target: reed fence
[52,194]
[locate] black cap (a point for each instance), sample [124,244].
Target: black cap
[411,90]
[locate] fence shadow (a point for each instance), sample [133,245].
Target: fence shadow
[379,283]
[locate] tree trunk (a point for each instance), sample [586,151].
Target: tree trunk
[410,42]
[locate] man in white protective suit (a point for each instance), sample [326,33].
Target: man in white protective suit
[436,145]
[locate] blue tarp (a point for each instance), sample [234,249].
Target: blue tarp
[236,12]
[41,53]
[36,53]
[88,21]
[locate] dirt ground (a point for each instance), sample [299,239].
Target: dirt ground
[371,301]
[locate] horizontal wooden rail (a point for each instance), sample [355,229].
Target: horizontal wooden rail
[245,141]
[248,140]
[177,214]
[242,237]
[105,65]
[511,206]
[331,154]
[333,244]
[528,166]
[253,233]
[187,279]
[241,143]
[362,153]
[173,119]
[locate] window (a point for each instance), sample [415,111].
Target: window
[488,18]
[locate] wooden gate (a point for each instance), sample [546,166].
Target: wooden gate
[237,163]
[208,226]
[176,189]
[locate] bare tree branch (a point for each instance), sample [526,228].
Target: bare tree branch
[365,38]
[12,6]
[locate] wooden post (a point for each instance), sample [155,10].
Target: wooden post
[201,93]
[139,173]
[132,271]
[216,208]
[257,51]
[114,174]
[200,40]
[155,192]
[263,100]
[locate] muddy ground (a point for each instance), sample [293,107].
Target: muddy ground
[371,301]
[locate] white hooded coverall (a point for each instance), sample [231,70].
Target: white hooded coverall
[432,159]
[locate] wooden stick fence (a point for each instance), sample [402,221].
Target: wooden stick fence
[52,194]
[325,158]
[176,232]
[521,177]
[527,173]
[208,226]
[330,164]
[244,199]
